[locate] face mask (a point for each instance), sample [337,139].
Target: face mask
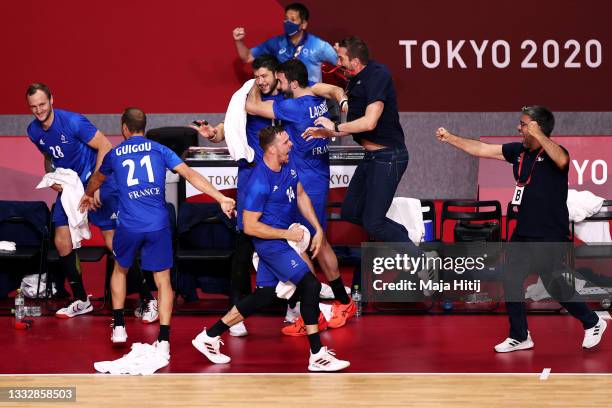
[291,28]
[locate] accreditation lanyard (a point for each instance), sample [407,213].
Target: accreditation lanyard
[518,183]
[520,187]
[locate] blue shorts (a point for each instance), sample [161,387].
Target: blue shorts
[155,247]
[104,217]
[278,262]
[319,203]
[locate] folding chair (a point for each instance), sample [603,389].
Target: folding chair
[471,213]
[25,223]
[205,239]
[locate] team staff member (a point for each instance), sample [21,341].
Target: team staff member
[540,167]
[296,43]
[373,121]
[70,141]
[139,166]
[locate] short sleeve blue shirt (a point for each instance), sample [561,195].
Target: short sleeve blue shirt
[139,167]
[66,142]
[312,51]
[310,157]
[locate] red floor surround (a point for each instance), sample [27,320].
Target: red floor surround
[373,343]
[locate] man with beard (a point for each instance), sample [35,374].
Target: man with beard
[274,196]
[264,72]
[311,157]
[69,140]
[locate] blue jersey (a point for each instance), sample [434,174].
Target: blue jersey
[311,157]
[66,142]
[274,194]
[312,51]
[139,167]
[254,125]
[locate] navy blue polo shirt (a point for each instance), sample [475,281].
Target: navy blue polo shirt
[372,84]
[543,210]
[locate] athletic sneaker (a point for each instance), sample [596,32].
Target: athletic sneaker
[341,314]
[162,348]
[293,313]
[209,346]
[327,292]
[119,335]
[299,328]
[325,360]
[149,313]
[510,345]
[238,330]
[592,336]
[78,307]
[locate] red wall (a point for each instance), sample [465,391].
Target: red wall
[172,57]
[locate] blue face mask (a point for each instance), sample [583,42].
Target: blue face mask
[291,28]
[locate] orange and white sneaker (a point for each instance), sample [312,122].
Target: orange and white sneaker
[299,328]
[341,314]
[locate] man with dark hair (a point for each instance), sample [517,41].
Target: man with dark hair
[264,71]
[139,166]
[373,121]
[540,167]
[296,43]
[311,158]
[68,140]
[274,196]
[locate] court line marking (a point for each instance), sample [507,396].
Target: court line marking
[545,374]
[395,374]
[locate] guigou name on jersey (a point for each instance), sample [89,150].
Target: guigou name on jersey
[316,111]
[130,148]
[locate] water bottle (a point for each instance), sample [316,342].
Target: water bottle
[19,306]
[356,295]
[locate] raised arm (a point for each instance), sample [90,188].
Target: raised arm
[553,150]
[471,146]
[243,51]
[255,106]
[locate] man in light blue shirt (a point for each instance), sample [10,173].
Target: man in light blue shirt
[295,43]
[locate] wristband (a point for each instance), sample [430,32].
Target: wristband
[337,126]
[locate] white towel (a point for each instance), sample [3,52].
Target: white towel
[582,204]
[408,212]
[72,191]
[144,359]
[8,246]
[235,125]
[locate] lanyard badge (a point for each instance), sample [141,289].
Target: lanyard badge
[519,190]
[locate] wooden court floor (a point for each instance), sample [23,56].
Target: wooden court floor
[325,390]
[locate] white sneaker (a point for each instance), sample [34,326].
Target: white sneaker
[510,345]
[209,346]
[292,313]
[162,348]
[149,312]
[238,330]
[327,292]
[78,307]
[119,335]
[325,360]
[592,336]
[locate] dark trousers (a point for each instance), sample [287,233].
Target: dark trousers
[242,261]
[547,260]
[371,192]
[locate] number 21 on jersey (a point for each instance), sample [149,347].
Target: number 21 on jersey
[144,162]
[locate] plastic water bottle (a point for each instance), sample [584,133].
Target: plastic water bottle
[356,295]
[19,306]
